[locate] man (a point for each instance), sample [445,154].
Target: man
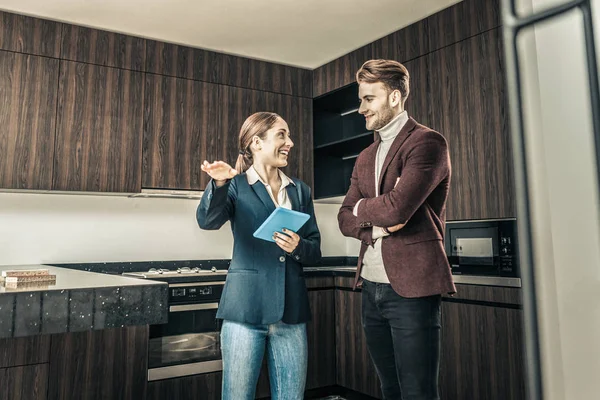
[396,207]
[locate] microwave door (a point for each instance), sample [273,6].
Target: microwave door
[475,251]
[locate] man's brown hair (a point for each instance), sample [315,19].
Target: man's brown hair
[391,73]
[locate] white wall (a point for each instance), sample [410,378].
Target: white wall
[52,228]
[564,204]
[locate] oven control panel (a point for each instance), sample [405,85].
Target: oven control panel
[195,292]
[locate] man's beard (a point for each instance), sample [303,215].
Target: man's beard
[386,114]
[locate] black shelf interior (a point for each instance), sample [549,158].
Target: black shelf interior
[339,136]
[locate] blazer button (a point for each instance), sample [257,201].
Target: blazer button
[282,258]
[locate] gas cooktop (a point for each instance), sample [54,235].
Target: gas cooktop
[180,274]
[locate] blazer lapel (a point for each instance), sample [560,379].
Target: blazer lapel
[369,171]
[396,144]
[262,194]
[292,193]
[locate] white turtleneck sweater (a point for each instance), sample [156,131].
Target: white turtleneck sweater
[372,269]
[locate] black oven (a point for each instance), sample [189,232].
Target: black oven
[485,248]
[189,343]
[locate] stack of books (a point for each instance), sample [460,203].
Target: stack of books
[27,277]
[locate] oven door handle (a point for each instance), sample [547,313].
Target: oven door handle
[194,307]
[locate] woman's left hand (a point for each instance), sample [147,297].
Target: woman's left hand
[287,240]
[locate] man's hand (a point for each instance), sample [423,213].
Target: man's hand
[395,228]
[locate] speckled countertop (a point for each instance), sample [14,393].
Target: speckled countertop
[80,301]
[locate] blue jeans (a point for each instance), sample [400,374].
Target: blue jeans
[403,338]
[243,347]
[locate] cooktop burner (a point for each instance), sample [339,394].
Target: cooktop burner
[183,273]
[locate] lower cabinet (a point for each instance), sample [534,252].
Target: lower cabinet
[28,382]
[98,365]
[482,352]
[197,387]
[355,370]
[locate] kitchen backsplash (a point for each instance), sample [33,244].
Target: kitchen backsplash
[53,228]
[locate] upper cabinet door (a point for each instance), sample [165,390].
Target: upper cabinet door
[179,132]
[237,104]
[27,120]
[468,99]
[99,135]
[103,48]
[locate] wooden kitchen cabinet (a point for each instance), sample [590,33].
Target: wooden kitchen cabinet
[482,345]
[28,382]
[99,129]
[236,104]
[28,97]
[24,351]
[467,100]
[180,123]
[355,370]
[196,387]
[98,365]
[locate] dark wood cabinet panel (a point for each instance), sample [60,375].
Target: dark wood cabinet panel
[482,353]
[205,387]
[24,383]
[103,48]
[24,351]
[355,370]
[419,103]
[341,71]
[494,294]
[465,19]
[402,45]
[320,332]
[191,63]
[27,120]
[236,104]
[451,25]
[94,365]
[319,282]
[180,120]
[99,134]
[469,108]
[29,35]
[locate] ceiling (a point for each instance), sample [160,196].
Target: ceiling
[303,33]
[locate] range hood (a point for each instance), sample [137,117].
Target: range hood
[168,194]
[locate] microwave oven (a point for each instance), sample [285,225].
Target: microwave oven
[483,248]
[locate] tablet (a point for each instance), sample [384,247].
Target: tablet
[279,219]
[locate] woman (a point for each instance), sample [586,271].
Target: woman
[264,301]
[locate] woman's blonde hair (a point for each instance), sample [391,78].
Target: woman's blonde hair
[255,125]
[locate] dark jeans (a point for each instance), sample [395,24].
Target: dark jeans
[403,337]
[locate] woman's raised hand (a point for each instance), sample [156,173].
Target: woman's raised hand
[220,171]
